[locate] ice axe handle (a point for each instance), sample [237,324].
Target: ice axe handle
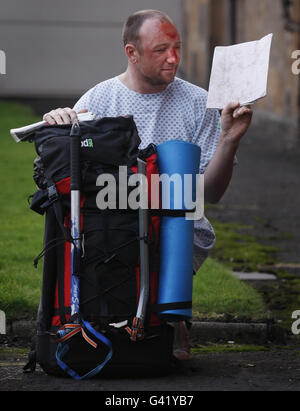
[75,156]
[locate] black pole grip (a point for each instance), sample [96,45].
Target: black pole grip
[75,138]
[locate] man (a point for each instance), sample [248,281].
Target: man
[165,108]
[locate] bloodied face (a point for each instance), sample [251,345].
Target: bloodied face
[157,54]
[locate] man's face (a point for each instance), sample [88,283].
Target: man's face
[158,53]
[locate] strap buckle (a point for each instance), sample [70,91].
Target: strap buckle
[52,194]
[136,332]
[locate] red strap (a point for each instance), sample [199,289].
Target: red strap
[76,329]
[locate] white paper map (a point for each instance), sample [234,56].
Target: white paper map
[239,73]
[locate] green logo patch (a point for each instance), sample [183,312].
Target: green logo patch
[88,142]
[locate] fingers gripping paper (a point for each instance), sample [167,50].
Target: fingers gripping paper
[239,73]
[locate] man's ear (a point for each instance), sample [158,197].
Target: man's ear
[131,53]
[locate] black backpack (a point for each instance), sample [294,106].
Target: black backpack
[106,336]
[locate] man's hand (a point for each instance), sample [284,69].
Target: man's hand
[62,116]
[235,121]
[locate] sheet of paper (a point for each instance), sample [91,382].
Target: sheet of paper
[239,73]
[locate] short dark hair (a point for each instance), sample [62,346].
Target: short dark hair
[135,21]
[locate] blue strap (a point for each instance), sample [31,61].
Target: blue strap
[97,334]
[62,349]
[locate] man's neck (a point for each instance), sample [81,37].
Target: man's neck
[135,83]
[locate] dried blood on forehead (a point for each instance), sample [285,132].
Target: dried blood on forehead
[169,29]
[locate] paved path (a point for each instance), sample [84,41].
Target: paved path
[274,370]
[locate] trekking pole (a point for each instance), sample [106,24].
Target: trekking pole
[137,331]
[75,137]
[72,353]
[144,252]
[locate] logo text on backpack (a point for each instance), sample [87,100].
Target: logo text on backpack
[88,142]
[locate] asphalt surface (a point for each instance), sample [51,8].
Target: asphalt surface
[272,370]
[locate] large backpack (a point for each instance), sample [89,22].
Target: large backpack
[110,260]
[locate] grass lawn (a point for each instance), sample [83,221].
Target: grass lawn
[21,229]
[216,291]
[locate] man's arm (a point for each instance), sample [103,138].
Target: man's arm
[235,121]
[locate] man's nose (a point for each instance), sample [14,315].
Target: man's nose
[172,56]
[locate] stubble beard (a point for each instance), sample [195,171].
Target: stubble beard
[159,80]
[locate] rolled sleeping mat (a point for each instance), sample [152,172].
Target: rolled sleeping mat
[177,233]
